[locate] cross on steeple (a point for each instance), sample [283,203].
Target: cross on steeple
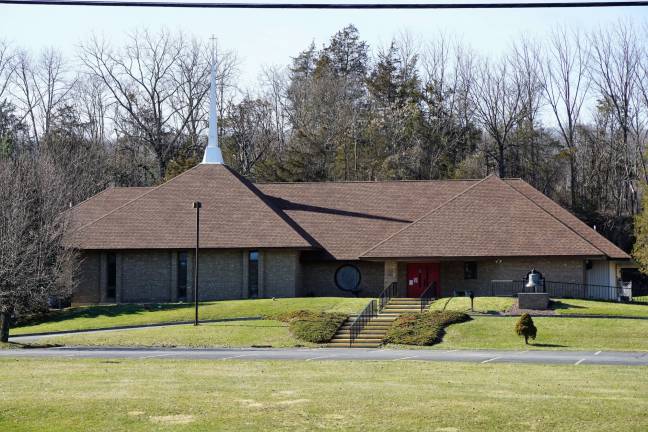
[214,47]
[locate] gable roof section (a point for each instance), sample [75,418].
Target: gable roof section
[103,203]
[347,218]
[489,218]
[563,215]
[234,214]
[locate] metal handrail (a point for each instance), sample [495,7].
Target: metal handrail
[428,295]
[557,289]
[388,293]
[370,311]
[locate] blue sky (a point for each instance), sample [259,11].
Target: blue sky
[270,37]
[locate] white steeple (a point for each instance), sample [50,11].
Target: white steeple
[213,153]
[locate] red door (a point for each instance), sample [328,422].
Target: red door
[420,276]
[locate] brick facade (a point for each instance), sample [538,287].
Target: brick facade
[318,278]
[151,276]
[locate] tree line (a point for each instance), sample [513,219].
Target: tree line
[566,112]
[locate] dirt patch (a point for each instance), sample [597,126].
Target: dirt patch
[251,403]
[516,311]
[286,392]
[135,413]
[292,402]
[178,419]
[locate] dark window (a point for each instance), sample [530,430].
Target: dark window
[253,274]
[182,275]
[348,278]
[111,275]
[470,270]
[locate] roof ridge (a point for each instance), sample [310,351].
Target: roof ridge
[426,215]
[552,216]
[368,181]
[153,188]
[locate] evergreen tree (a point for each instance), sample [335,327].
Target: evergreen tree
[526,328]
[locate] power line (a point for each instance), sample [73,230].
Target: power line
[215,5]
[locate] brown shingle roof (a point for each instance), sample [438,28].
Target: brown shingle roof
[490,218]
[347,218]
[103,203]
[234,215]
[568,219]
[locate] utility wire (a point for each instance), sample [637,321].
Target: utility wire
[241,5]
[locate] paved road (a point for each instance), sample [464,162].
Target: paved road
[333,354]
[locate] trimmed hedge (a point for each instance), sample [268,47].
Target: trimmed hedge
[425,328]
[315,327]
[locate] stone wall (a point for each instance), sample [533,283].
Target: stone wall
[318,278]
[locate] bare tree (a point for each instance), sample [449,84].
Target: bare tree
[499,102]
[614,67]
[251,133]
[7,67]
[23,92]
[565,84]
[34,264]
[41,87]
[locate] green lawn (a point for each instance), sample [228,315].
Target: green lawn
[97,317]
[563,306]
[553,333]
[482,304]
[166,395]
[592,307]
[226,334]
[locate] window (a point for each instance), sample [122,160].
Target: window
[182,275]
[470,270]
[348,278]
[253,274]
[111,275]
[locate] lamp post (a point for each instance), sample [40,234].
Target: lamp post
[197,205]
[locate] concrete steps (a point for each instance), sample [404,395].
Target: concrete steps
[374,332]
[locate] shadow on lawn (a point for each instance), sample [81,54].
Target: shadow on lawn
[557,304]
[542,345]
[101,311]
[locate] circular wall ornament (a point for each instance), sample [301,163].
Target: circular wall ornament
[348,278]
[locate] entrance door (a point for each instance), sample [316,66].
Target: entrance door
[420,276]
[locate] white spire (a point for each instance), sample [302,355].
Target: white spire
[213,153]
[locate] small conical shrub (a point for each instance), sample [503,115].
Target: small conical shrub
[525,327]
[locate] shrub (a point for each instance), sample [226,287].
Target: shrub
[315,327]
[425,328]
[526,328]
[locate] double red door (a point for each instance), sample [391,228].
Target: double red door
[420,276]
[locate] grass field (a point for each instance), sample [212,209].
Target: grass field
[267,333]
[553,333]
[97,317]
[481,332]
[562,306]
[165,395]
[482,304]
[591,307]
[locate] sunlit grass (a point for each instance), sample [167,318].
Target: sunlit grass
[64,395]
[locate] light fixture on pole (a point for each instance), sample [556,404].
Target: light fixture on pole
[197,205]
